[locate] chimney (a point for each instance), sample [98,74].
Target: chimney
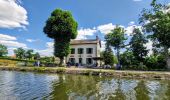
[97,38]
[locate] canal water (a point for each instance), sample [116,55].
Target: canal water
[36,86]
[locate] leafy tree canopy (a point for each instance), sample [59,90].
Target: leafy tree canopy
[156,21]
[61,27]
[29,54]
[116,39]
[20,53]
[3,50]
[137,45]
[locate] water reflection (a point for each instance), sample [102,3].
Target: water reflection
[26,86]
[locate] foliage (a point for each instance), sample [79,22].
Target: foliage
[20,53]
[36,56]
[3,50]
[108,58]
[61,27]
[156,21]
[127,59]
[48,59]
[116,39]
[137,45]
[155,62]
[29,54]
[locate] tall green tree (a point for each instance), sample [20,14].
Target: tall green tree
[108,56]
[137,45]
[61,27]
[127,59]
[116,39]
[29,54]
[3,50]
[156,21]
[19,52]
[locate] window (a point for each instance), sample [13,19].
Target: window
[80,60]
[89,61]
[89,50]
[80,50]
[72,51]
[72,60]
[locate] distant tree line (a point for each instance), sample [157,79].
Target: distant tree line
[25,55]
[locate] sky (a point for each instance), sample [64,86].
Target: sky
[22,21]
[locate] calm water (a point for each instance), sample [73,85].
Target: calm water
[31,86]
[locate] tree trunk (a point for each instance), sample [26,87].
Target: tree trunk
[167,57]
[118,57]
[61,61]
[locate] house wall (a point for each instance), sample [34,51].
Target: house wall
[96,53]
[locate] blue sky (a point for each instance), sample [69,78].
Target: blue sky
[22,21]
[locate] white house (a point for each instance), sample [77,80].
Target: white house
[83,52]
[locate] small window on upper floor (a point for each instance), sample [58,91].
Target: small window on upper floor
[89,50]
[80,50]
[73,51]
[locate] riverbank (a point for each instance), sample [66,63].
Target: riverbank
[96,72]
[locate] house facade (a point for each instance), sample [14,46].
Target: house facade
[83,52]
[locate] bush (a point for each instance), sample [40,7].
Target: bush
[155,62]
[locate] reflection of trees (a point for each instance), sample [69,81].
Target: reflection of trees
[77,87]
[106,89]
[141,91]
[119,95]
[117,89]
[167,93]
[74,87]
[156,89]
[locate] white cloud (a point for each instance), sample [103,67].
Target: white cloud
[31,40]
[166,9]
[131,23]
[11,51]
[106,28]
[50,44]
[48,51]
[13,43]
[12,15]
[129,29]
[7,37]
[149,47]
[82,33]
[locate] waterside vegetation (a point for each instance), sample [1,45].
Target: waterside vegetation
[96,72]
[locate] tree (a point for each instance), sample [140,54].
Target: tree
[48,59]
[108,57]
[19,52]
[137,45]
[156,21]
[61,27]
[141,90]
[127,59]
[155,62]
[36,56]
[3,50]
[29,54]
[116,39]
